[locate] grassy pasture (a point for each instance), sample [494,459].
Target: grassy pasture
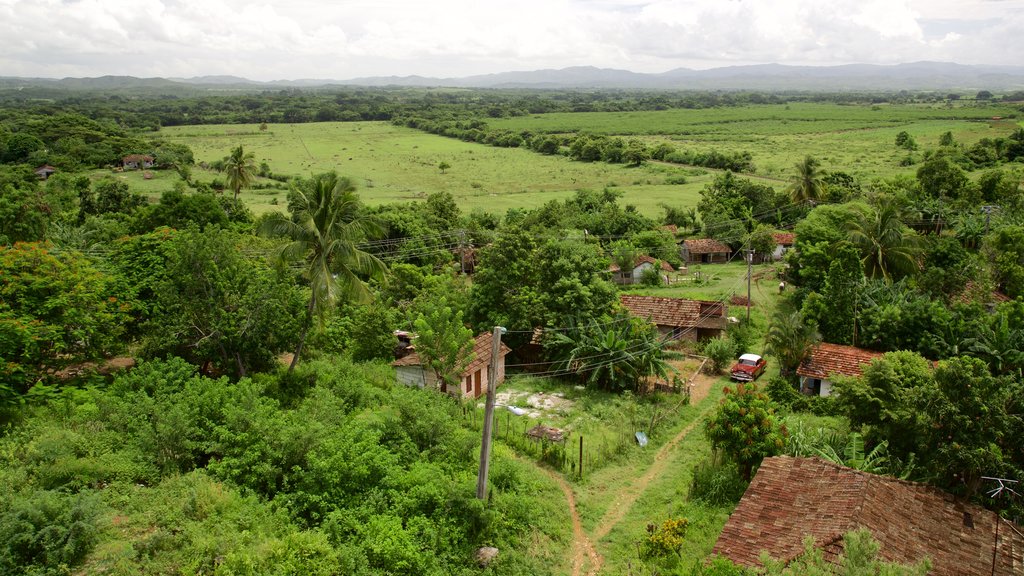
[858,139]
[393,163]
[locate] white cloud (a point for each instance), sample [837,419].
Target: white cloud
[269,39]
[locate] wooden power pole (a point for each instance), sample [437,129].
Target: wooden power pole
[485,446]
[750,263]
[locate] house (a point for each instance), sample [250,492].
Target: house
[704,251]
[827,360]
[790,499]
[45,171]
[671,229]
[137,161]
[473,381]
[783,243]
[640,265]
[678,318]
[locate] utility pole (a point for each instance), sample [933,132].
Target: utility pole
[485,446]
[750,263]
[462,249]
[988,210]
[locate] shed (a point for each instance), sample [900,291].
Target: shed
[640,265]
[704,251]
[783,243]
[679,318]
[45,171]
[137,161]
[827,360]
[410,371]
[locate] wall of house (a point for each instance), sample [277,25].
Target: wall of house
[808,386]
[417,376]
[414,376]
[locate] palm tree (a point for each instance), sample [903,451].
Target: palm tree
[807,184]
[888,248]
[240,168]
[325,228]
[790,339]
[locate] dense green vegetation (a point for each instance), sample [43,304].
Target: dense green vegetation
[255,274]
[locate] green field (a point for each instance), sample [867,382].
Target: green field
[393,163]
[858,139]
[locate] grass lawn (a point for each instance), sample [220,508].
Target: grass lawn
[393,163]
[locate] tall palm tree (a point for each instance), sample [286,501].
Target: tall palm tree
[888,248]
[807,184]
[240,169]
[326,226]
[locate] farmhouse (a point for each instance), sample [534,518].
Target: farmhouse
[45,171]
[679,318]
[827,360]
[137,161]
[783,243]
[792,498]
[473,381]
[704,251]
[640,265]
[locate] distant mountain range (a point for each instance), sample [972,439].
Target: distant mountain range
[767,77]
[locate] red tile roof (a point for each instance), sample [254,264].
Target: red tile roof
[791,498]
[827,359]
[481,354]
[671,228]
[676,312]
[705,246]
[644,259]
[784,238]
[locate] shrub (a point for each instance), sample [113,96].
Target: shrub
[47,533]
[717,483]
[720,352]
[665,539]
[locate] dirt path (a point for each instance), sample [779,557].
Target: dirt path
[582,547]
[625,500]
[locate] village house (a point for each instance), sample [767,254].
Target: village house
[790,499]
[137,161]
[704,251]
[410,370]
[827,360]
[45,171]
[783,243]
[640,265]
[679,318]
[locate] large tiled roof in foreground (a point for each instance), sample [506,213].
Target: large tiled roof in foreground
[792,498]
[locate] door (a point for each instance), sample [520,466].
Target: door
[477,378]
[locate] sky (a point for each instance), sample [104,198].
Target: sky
[345,39]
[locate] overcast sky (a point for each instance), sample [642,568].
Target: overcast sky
[292,39]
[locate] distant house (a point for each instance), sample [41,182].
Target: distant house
[704,251]
[641,264]
[44,171]
[790,499]
[783,243]
[671,229]
[678,318]
[473,381]
[827,360]
[137,161]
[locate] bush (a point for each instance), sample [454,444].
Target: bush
[720,352]
[717,482]
[48,533]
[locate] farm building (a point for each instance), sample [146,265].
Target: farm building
[792,498]
[137,161]
[473,382]
[679,318]
[704,251]
[827,360]
[45,171]
[783,243]
[640,265]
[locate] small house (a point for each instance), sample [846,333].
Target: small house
[827,360]
[642,264]
[45,171]
[679,318]
[704,251]
[410,370]
[783,243]
[137,161]
[792,499]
